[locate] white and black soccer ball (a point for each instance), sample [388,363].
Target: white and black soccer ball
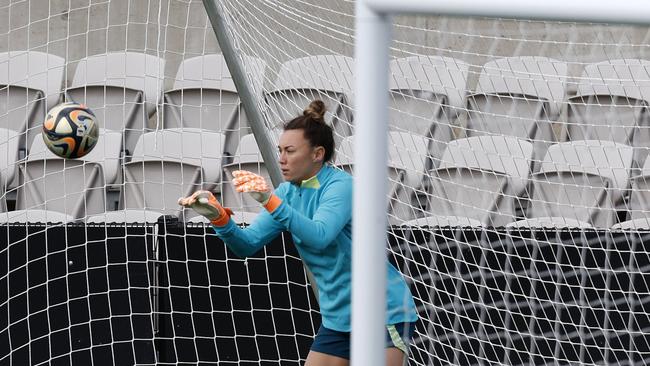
[70,130]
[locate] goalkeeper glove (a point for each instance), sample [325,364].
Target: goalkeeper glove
[257,187]
[204,203]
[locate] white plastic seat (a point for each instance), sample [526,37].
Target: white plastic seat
[518,96]
[75,187]
[407,154]
[204,96]
[30,84]
[442,221]
[9,154]
[481,181]
[581,183]
[640,194]
[325,77]
[611,104]
[33,216]
[169,164]
[248,157]
[106,153]
[634,224]
[426,94]
[122,89]
[551,223]
[125,216]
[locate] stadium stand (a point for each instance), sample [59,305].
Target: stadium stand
[518,96]
[580,184]
[611,104]
[166,165]
[639,205]
[427,95]
[481,181]
[406,166]
[30,84]
[122,88]
[204,96]
[74,187]
[325,77]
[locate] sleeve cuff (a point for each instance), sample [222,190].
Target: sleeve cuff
[223,219]
[273,203]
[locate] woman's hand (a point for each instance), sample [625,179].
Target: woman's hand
[257,187]
[204,203]
[252,184]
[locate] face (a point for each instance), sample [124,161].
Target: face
[298,159]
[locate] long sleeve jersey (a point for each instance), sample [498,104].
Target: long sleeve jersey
[318,214]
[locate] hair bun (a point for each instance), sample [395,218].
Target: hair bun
[316,110]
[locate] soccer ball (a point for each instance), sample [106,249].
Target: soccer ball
[70,130]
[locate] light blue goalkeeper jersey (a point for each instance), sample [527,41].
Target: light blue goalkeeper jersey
[318,214]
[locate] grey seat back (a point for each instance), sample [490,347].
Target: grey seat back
[170,164]
[518,96]
[123,89]
[483,178]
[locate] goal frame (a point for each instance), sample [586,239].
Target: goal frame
[373,37]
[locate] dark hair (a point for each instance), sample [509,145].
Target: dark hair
[316,131]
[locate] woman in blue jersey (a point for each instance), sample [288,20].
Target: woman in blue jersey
[315,206]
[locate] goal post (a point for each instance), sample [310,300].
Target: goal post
[373,29]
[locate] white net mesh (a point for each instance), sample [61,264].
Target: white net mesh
[517,194]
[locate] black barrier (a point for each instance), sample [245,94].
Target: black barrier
[173,294]
[169,294]
[75,295]
[218,308]
[528,297]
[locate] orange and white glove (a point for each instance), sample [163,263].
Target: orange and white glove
[255,185]
[204,203]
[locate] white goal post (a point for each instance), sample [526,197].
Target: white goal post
[373,36]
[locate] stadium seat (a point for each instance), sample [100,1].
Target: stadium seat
[518,96]
[204,96]
[33,216]
[580,184]
[9,157]
[125,216]
[75,187]
[481,181]
[407,154]
[325,77]
[248,157]
[169,164]
[611,104]
[640,195]
[635,224]
[122,89]
[427,93]
[30,84]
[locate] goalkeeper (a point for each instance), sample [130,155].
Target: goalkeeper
[315,206]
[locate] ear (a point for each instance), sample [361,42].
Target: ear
[318,154]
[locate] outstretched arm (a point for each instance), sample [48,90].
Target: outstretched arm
[243,242]
[333,213]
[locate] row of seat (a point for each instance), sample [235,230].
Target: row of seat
[514,96]
[488,181]
[480,181]
[434,85]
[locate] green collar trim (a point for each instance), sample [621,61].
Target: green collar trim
[311,183]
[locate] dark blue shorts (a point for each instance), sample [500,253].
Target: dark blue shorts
[336,343]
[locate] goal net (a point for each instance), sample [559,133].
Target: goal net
[517,198]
